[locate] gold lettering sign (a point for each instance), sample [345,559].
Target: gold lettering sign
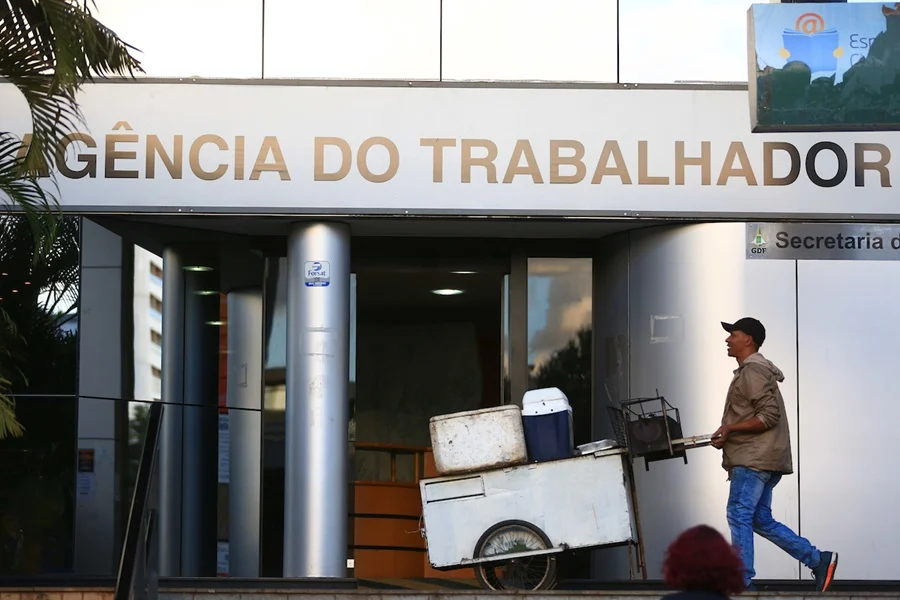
[128,154]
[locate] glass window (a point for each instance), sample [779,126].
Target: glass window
[40,298]
[559,333]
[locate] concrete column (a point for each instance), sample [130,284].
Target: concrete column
[201,425]
[244,400]
[169,460]
[100,384]
[318,358]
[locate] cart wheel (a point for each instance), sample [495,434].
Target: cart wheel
[528,573]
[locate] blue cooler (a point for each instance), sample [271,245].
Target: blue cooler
[547,421]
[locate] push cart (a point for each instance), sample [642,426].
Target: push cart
[511,523]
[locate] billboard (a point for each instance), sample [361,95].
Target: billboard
[824,66]
[288,148]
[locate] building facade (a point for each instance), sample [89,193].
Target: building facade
[307,270]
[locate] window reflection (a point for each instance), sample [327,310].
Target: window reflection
[559,333]
[40,362]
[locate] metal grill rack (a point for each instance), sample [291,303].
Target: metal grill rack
[651,429]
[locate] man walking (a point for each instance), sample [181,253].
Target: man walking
[756,451]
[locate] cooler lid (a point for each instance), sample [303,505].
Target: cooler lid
[544,401]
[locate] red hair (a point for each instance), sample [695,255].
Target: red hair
[701,560]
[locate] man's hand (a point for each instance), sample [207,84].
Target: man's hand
[720,435]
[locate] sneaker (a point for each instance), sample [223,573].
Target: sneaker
[824,573]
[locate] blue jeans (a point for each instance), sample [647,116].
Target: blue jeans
[749,510]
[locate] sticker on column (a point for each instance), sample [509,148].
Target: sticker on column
[318,274]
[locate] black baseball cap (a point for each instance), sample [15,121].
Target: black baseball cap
[750,326]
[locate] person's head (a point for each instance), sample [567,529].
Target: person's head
[701,560]
[745,336]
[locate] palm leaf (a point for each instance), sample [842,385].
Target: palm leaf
[9,425]
[48,50]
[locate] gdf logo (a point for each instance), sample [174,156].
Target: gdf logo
[758,244]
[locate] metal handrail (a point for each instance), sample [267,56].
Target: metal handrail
[138,575]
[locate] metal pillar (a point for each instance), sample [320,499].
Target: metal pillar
[318,359]
[169,473]
[244,401]
[200,438]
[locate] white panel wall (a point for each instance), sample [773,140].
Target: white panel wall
[699,276]
[662,41]
[356,39]
[849,414]
[190,38]
[549,40]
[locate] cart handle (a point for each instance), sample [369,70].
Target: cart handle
[696,441]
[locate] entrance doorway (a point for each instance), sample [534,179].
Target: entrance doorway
[437,326]
[429,341]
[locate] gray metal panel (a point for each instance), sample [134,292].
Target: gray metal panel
[99,384]
[169,470]
[611,364]
[697,276]
[822,241]
[849,413]
[317,403]
[244,398]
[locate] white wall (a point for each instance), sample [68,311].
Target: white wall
[698,276]
[552,40]
[849,412]
[831,327]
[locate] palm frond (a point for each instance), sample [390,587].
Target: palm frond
[9,425]
[48,49]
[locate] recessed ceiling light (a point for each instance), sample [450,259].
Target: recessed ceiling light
[217,323]
[447,292]
[197,268]
[464,272]
[206,292]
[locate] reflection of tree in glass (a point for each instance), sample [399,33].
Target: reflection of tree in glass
[569,369]
[41,297]
[137,429]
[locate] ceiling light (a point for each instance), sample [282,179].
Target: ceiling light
[15,291]
[207,292]
[447,292]
[216,323]
[464,272]
[198,268]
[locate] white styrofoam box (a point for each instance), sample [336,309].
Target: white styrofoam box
[544,401]
[478,439]
[582,502]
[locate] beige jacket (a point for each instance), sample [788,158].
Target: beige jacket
[754,392]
